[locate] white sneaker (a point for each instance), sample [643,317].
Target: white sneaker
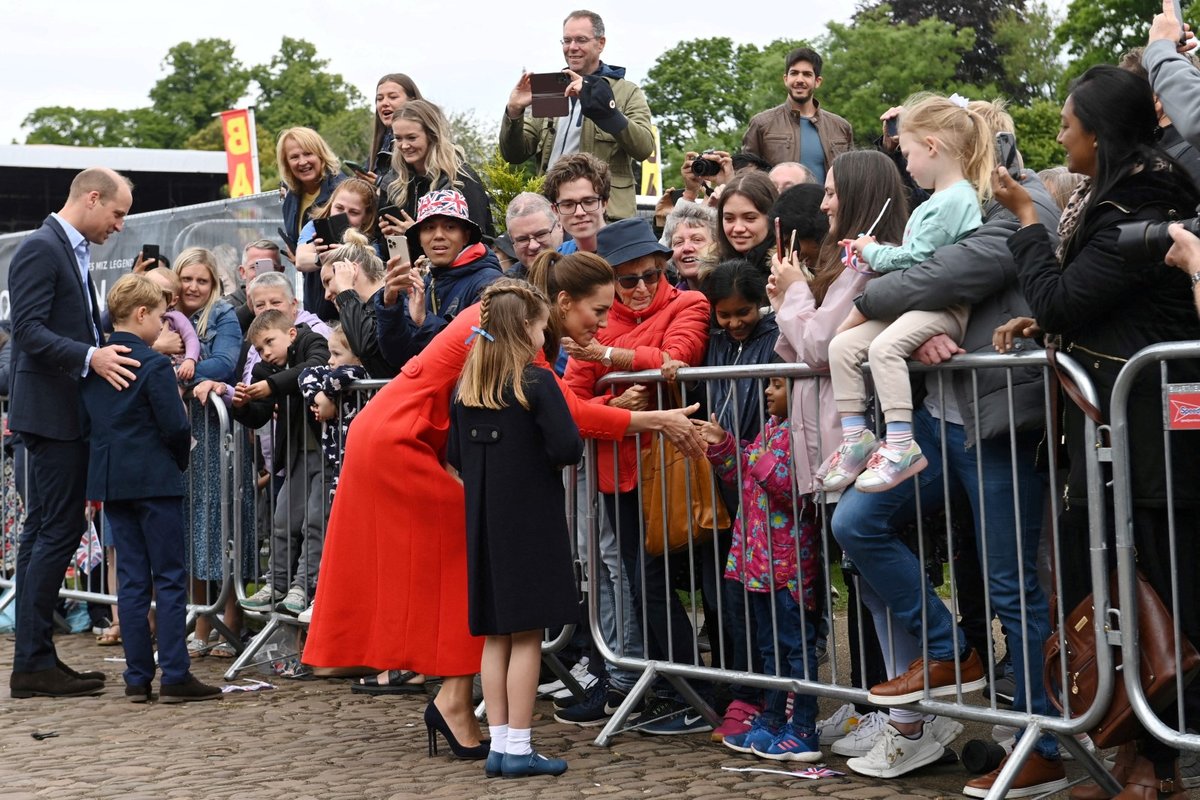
[894,754]
[294,602]
[945,730]
[862,737]
[578,671]
[305,616]
[263,600]
[839,725]
[584,678]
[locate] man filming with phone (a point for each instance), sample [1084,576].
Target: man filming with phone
[606,115]
[1174,78]
[258,258]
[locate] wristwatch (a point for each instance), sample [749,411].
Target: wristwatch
[1195,282]
[606,359]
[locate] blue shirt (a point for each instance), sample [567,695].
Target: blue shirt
[812,153]
[81,247]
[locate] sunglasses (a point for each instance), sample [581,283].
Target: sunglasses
[631,281]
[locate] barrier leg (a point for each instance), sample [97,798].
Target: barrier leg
[1092,763]
[561,672]
[639,690]
[1016,760]
[245,658]
[9,595]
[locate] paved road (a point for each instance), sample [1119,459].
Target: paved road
[315,740]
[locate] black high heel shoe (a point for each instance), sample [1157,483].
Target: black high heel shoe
[435,723]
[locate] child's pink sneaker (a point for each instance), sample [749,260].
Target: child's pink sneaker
[889,468]
[844,465]
[738,718]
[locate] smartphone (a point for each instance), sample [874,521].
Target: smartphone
[1179,16]
[330,229]
[351,168]
[263,265]
[891,127]
[150,251]
[390,211]
[548,98]
[396,245]
[289,241]
[1006,154]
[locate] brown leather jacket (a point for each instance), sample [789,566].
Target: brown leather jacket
[773,134]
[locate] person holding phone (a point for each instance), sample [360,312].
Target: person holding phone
[607,115]
[1173,77]
[426,159]
[309,172]
[352,203]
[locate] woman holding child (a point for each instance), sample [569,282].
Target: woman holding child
[393,590]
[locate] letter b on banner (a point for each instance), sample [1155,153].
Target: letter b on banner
[240,155]
[237,136]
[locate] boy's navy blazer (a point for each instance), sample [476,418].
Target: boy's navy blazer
[140,436]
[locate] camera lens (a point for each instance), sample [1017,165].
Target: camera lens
[705,167]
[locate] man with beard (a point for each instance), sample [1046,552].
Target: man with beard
[800,130]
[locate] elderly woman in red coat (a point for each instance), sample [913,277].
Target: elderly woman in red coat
[653,325]
[393,587]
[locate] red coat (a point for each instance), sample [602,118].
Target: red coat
[393,587]
[677,322]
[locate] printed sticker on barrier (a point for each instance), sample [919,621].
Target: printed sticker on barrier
[1182,406]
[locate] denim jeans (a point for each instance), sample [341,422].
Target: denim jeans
[864,523]
[797,640]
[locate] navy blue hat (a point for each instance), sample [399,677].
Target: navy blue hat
[626,240]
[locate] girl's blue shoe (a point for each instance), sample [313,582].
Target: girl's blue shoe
[790,746]
[493,768]
[514,766]
[759,734]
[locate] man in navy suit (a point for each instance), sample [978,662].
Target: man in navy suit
[57,340]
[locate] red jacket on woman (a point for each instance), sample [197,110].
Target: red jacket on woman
[676,322]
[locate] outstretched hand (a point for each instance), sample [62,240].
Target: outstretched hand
[1020,327]
[711,430]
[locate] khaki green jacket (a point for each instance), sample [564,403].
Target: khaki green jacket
[522,139]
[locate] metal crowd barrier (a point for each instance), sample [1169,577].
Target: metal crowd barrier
[1180,411]
[680,660]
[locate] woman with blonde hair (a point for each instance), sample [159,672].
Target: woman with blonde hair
[308,170]
[426,159]
[353,197]
[220,337]
[352,276]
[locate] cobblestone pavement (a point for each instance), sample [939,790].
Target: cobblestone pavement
[314,739]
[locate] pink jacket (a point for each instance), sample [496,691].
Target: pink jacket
[765,550]
[805,331]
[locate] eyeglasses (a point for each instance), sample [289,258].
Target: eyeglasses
[537,236]
[568,207]
[632,281]
[567,41]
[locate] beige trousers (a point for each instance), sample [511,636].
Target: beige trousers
[886,346]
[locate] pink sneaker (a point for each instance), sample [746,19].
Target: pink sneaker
[888,468]
[738,718]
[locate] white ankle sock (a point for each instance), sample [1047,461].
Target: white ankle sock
[518,742]
[499,734]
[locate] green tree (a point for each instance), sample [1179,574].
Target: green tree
[704,91]
[1029,52]
[477,139]
[1037,129]
[863,77]
[81,127]
[1100,31]
[503,182]
[204,77]
[295,88]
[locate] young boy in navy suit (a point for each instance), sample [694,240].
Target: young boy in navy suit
[140,442]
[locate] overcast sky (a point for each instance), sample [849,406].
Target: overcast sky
[463,55]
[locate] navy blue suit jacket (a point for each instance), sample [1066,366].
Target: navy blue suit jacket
[140,436]
[52,331]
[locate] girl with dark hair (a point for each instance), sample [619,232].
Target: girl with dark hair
[391,93]
[744,220]
[1109,305]
[743,335]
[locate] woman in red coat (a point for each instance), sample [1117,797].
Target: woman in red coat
[393,587]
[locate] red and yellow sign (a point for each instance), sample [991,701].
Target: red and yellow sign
[241,151]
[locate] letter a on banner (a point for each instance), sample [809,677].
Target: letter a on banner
[241,151]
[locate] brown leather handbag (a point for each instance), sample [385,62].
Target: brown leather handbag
[1156,664]
[686,490]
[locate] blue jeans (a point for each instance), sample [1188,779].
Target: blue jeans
[864,525]
[797,650]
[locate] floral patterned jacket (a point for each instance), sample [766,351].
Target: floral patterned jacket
[768,529]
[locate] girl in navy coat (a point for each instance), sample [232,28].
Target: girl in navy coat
[511,434]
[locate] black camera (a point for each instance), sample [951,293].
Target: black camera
[1150,241]
[705,167]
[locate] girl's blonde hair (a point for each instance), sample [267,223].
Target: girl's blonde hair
[358,249]
[964,134]
[309,140]
[443,159]
[191,257]
[502,350]
[366,193]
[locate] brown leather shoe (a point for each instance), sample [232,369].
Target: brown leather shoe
[910,687]
[87,675]
[1144,783]
[1039,776]
[51,683]
[1122,766]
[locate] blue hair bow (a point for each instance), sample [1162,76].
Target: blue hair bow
[478,331]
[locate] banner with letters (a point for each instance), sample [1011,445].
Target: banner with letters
[241,151]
